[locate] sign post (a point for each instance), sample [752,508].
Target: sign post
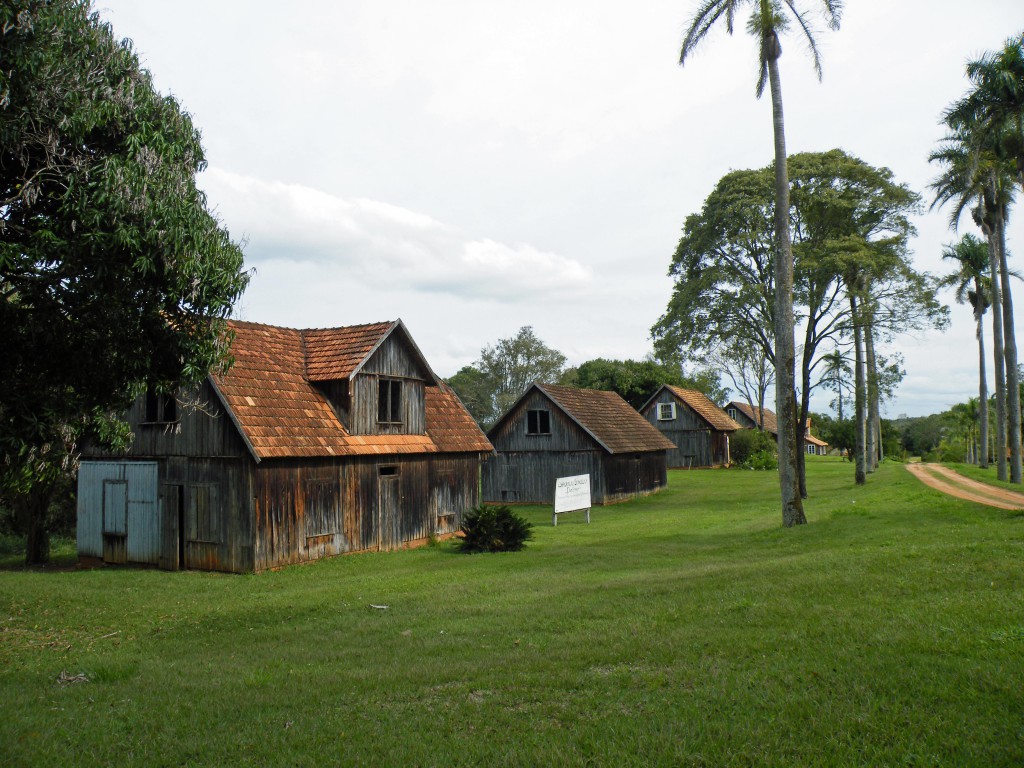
[571,495]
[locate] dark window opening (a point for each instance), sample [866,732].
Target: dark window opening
[538,422]
[389,401]
[387,471]
[161,408]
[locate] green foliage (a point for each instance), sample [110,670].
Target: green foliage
[744,444]
[493,529]
[636,381]
[491,386]
[114,275]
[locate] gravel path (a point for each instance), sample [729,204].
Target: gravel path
[946,480]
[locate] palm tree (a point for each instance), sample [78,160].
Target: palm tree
[973,287]
[995,105]
[992,117]
[975,175]
[769,18]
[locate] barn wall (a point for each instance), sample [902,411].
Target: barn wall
[305,510]
[634,474]
[697,445]
[528,477]
[565,435]
[394,359]
[204,430]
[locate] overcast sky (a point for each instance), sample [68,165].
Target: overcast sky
[474,166]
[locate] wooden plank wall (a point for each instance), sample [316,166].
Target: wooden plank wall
[528,477]
[312,509]
[696,444]
[394,359]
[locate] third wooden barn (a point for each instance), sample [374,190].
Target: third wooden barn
[554,431]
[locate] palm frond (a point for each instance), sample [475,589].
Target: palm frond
[703,20]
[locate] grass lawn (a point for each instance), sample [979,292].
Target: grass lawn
[687,628]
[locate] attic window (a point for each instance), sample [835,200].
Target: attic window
[389,401]
[160,408]
[732,413]
[666,411]
[538,422]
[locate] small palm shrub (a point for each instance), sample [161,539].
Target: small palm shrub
[493,529]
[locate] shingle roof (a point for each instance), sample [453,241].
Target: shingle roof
[609,419]
[770,423]
[334,353]
[280,413]
[705,408]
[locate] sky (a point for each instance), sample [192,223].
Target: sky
[472,167]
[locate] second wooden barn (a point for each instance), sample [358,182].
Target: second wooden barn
[699,429]
[316,442]
[554,431]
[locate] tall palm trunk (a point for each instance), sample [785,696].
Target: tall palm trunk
[785,355]
[979,314]
[998,355]
[859,393]
[1010,352]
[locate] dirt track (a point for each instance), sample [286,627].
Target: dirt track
[946,480]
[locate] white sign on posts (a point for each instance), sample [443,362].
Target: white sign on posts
[571,495]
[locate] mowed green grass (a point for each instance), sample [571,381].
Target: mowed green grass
[686,628]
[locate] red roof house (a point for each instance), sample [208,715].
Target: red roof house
[315,443]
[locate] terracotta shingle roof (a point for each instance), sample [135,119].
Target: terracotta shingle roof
[705,408]
[281,413]
[334,353]
[449,424]
[609,419]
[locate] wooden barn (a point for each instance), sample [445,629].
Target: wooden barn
[315,443]
[749,417]
[554,431]
[699,429]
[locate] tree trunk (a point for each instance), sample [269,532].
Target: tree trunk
[859,393]
[982,382]
[874,419]
[785,355]
[1013,435]
[998,357]
[31,511]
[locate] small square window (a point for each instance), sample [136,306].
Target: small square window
[160,408]
[666,411]
[538,422]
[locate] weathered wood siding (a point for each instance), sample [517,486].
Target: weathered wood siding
[528,477]
[697,445]
[526,466]
[393,360]
[628,475]
[305,510]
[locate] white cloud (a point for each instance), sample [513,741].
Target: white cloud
[383,246]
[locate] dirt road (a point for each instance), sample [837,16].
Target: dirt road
[946,480]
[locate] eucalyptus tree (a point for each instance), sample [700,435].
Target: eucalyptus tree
[972,286]
[769,18]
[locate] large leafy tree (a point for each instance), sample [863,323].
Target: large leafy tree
[491,386]
[768,19]
[114,275]
[636,381]
[850,231]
